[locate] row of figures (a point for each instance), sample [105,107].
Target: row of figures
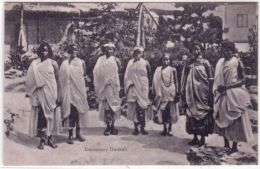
[217,106]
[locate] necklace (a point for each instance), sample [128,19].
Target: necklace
[163,80]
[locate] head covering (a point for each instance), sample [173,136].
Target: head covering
[228,45]
[139,48]
[110,45]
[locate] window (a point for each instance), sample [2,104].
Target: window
[242,20]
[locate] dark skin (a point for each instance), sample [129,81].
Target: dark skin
[196,53]
[45,55]
[222,88]
[109,51]
[196,57]
[166,63]
[140,55]
[137,57]
[73,55]
[227,54]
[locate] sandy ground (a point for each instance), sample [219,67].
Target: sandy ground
[153,149]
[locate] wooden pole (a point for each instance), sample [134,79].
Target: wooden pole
[38,25]
[138,39]
[21,27]
[21,15]
[143,32]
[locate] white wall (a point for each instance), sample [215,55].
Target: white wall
[239,34]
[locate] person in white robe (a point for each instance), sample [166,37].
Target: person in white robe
[42,89]
[165,87]
[73,94]
[231,99]
[107,87]
[136,85]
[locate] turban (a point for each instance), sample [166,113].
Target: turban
[110,45]
[139,48]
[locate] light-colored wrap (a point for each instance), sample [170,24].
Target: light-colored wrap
[165,94]
[137,88]
[41,87]
[228,106]
[107,85]
[73,90]
[136,83]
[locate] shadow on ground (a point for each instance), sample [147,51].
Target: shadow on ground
[23,139]
[154,141]
[13,86]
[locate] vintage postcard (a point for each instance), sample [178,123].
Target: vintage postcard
[130,83]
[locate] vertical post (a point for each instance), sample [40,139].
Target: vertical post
[22,15]
[21,27]
[138,39]
[143,32]
[38,26]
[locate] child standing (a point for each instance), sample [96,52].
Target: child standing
[165,87]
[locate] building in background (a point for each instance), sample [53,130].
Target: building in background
[40,22]
[149,21]
[237,19]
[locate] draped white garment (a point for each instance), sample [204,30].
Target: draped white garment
[136,83]
[73,89]
[165,94]
[137,89]
[41,87]
[229,105]
[107,85]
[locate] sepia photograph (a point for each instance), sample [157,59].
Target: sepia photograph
[130,83]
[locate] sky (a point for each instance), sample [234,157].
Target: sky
[133,5]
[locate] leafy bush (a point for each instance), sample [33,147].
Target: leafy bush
[16,58]
[7,65]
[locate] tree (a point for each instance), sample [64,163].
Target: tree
[188,24]
[253,49]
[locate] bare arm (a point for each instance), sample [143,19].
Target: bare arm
[84,68]
[241,76]
[208,69]
[209,73]
[175,79]
[118,62]
[86,78]
[185,72]
[149,70]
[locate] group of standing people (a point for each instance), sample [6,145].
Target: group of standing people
[48,87]
[212,104]
[216,103]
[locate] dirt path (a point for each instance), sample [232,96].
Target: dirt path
[20,149]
